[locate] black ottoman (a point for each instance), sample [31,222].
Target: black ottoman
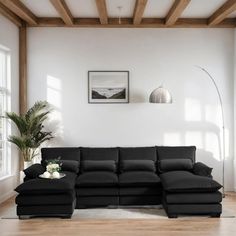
[47,197]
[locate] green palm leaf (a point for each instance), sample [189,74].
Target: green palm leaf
[31,129]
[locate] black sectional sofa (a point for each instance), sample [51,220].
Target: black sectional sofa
[98,177]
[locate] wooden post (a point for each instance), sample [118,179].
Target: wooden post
[22,77]
[23,69]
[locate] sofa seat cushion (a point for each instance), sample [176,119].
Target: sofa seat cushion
[139,178]
[97,179]
[45,199]
[138,191]
[196,198]
[184,181]
[97,191]
[48,186]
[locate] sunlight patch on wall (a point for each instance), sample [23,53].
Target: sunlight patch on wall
[226,143]
[213,114]
[172,139]
[55,118]
[213,145]
[193,110]
[194,138]
[54,91]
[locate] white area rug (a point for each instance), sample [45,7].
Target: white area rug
[145,212]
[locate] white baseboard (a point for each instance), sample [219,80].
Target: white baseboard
[6,196]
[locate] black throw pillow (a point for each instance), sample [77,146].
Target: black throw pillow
[201,169]
[175,164]
[138,165]
[34,171]
[69,165]
[107,165]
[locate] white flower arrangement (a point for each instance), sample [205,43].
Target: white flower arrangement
[53,167]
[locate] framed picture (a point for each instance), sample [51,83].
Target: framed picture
[108,86]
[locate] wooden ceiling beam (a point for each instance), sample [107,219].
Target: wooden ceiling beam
[63,10]
[138,11]
[128,23]
[20,10]
[10,15]
[176,11]
[102,11]
[221,13]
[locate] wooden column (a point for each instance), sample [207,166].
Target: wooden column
[23,69]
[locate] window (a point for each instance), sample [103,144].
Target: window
[4,106]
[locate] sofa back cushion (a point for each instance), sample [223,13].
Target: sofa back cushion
[64,153]
[174,164]
[175,158]
[107,165]
[99,154]
[69,165]
[137,165]
[138,153]
[184,152]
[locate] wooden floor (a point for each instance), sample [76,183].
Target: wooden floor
[194,226]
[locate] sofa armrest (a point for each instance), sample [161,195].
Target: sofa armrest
[34,171]
[202,169]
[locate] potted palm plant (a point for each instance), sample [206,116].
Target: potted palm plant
[31,130]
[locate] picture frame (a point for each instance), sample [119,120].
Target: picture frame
[106,87]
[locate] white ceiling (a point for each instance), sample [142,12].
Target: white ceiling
[42,8]
[154,8]
[157,8]
[202,8]
[126,10]
[82,8]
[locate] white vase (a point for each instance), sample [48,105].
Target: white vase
[22,174]
[27,164]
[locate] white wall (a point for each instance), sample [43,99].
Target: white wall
[234,110]
[59,60]
[9,38]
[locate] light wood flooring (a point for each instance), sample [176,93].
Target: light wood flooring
[194,226]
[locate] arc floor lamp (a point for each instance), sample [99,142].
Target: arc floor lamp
[162,95]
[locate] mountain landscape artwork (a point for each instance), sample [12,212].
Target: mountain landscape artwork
[108,93]
[108,86]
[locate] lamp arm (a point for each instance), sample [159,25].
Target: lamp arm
[223,125]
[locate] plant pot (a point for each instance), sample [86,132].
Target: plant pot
[27,164]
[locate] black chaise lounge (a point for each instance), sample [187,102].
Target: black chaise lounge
[100,177]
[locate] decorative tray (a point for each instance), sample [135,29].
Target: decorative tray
[51,177]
